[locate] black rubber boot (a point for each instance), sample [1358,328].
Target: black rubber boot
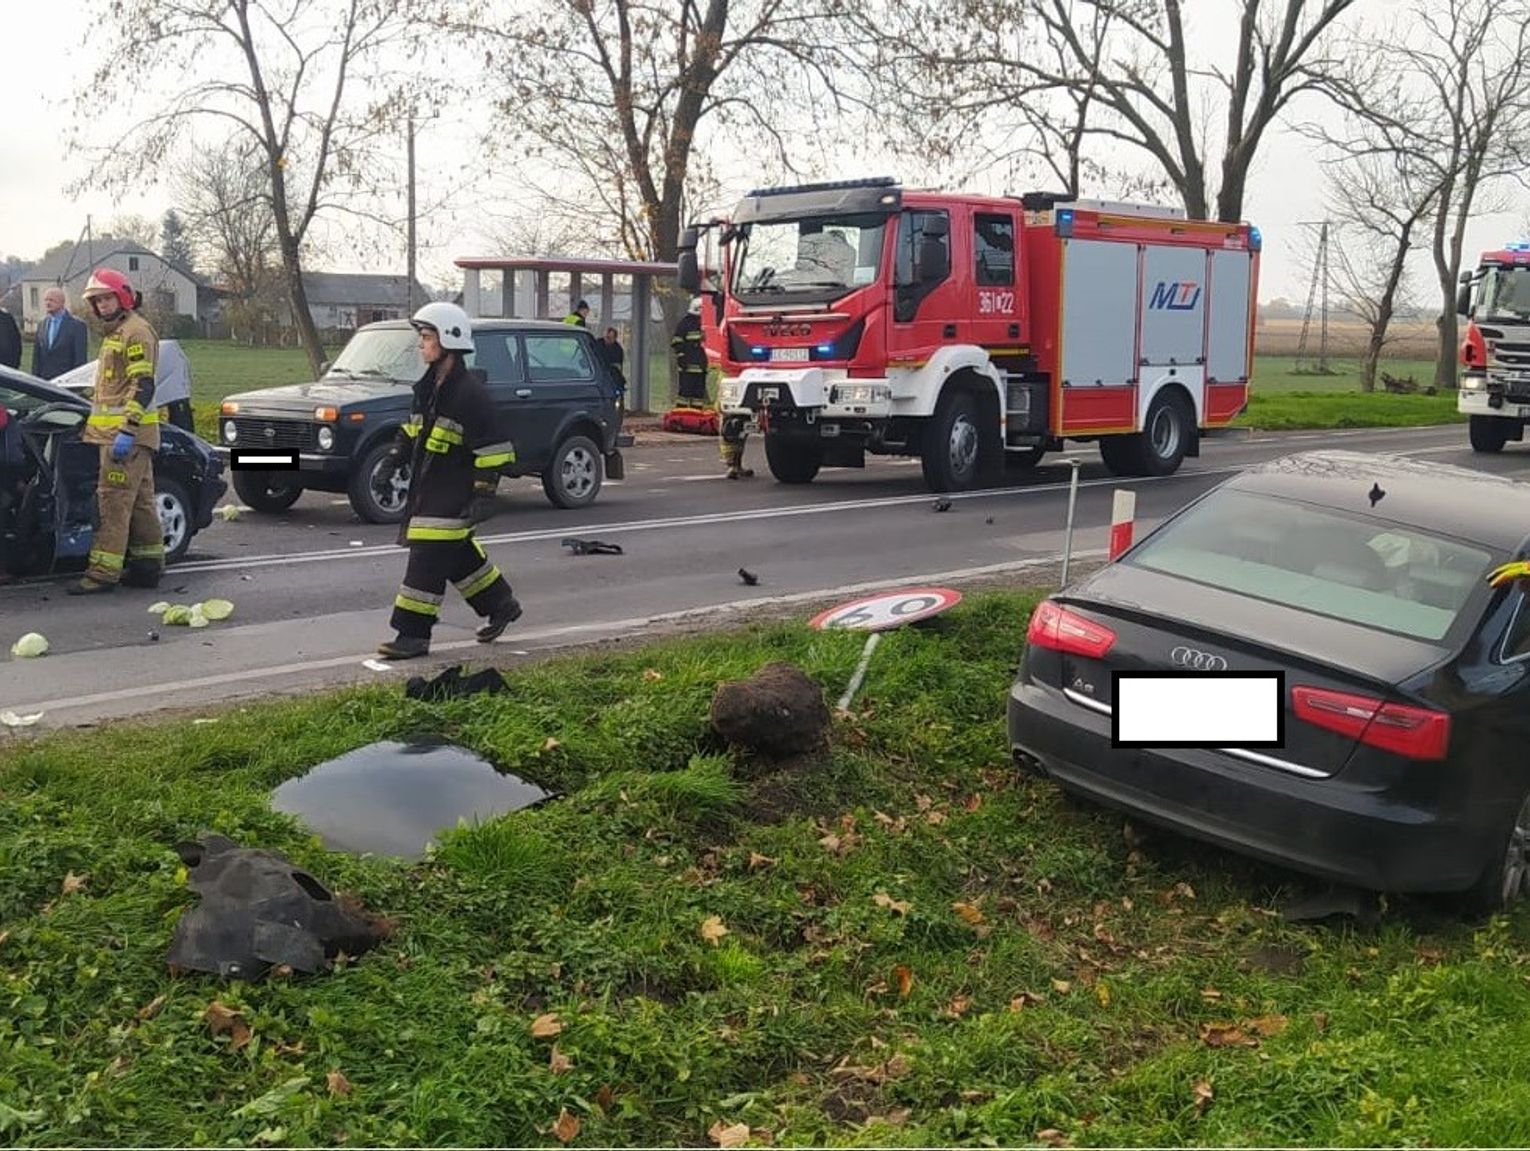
[146,577]
[499,621]
[404,647]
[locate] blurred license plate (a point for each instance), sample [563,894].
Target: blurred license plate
[788,354]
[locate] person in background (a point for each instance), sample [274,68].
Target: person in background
[690,359]
[580,315]
[172,385]
[611,349]
[10,341]
[59,346]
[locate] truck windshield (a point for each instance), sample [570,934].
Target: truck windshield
[1505,295]
[381,354]
[820,256]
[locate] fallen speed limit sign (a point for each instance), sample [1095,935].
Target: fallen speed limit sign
[888,610]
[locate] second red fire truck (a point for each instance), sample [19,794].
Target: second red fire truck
[860,317]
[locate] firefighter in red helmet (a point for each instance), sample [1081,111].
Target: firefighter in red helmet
[129,544]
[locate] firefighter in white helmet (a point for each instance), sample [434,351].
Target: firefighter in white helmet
[129,543]
[448,444]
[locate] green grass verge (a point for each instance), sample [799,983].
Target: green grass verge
[922,948]
[1287,411]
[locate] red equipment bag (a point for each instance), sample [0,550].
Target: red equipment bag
[698,421]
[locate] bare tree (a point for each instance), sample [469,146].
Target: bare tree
[1124,72]
[617,92]
[138,230]
[302,81]
[1453,97]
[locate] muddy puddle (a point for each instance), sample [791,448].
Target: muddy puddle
[395,798]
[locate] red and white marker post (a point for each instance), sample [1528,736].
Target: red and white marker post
[1123,511]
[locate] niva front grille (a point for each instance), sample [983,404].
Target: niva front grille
[294,435]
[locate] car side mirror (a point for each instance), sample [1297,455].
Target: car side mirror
[1464,301]
[688,272]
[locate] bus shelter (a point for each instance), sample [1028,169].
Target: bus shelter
[624,294]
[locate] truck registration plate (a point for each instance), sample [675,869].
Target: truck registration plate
[797,354]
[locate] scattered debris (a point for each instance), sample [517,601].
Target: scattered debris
[376,665]
[452,684]
[590,547]
[258,911]
[30,646]
[11,719]
[942,505]
[231,512]
[779,711]
[1375,494]
[748,577]
[988,520]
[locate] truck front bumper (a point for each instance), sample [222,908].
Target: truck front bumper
[1490,400]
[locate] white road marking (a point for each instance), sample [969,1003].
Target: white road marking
[616,628]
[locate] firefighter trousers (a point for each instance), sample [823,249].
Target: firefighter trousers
[128,532]
[693,388]
[432,563]
[731,440]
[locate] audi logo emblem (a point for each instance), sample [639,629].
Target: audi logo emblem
[270,432]
[788,329]
[1189,657]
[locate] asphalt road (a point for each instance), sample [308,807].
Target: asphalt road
[312,588]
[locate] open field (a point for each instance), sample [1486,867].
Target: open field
[1407,340]
[898,942]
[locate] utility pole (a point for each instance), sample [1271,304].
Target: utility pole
[1318,287]
[409,288]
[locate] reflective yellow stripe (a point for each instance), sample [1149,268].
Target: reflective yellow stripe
[416,606]
[419,596]
[106,560]
[479,580]
[446,423]
[444,435]
[139,368]
[498,460]
[427,528]
[114,417]
[146,552]
[412,430]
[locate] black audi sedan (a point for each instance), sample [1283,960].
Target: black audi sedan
[48,480]
[1396,753]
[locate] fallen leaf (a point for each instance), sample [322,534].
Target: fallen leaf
[1320,1020]
[904,978]
[4,935]
[712,929]
[1102,994]
[559,1062]
[1126,903]
[605,1098]
[1061,986]
[551,744]
[1226,1035]
[898,906]
[338,1083]
[73,883]
[934,818]
[1025,999]
[1268,1025]
[958,1006]
[653,675]
[973,802]
[546,1026]
[725,1136]
[971,914]
[758,861]
[567,1127]
[1052,1137]
[222,1018]
[1210,993]
[1202,1094]
[894,1118]
[830,842]
[1044,886]
[150,1010]
[923,802]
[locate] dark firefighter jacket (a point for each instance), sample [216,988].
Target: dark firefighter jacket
[450,441]
[687,344]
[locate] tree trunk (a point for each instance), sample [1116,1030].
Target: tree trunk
[1386,306]
[302,318]
[1445,357]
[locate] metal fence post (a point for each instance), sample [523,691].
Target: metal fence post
[1072,503]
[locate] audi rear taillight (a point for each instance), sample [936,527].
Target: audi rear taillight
[1414,732]
[1057,629]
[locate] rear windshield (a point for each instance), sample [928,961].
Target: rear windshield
[1321,561]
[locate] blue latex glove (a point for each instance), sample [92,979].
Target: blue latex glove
[121,446]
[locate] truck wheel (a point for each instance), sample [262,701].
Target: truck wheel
[379,488]
[573,476]
[267,491]
[1488,433]
[1118,454]
[792,461]
[1024,461]
[1506,878]
[1165,435]
[951,449]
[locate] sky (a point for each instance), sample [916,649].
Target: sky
[1286,188]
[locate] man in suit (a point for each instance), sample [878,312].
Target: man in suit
[59,346]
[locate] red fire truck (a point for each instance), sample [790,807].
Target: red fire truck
[1495,355]
[861,317]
